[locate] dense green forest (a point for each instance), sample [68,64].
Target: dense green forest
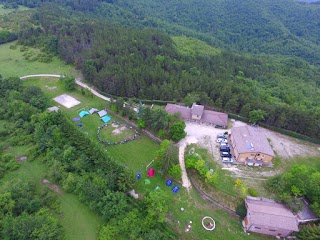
[147,64]
[284,27]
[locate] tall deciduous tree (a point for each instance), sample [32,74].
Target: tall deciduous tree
[167,155]
[256,115]
[177,130]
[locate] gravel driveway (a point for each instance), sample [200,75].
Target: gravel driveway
[284,146]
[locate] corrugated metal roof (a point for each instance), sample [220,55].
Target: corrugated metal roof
[250,139]
[266,212]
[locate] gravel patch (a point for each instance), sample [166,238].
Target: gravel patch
[284,146]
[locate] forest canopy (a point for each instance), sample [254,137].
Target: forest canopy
[148,64]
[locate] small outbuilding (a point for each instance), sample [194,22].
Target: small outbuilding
[265,216]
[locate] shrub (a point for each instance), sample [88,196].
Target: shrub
[252,192]
[175,172]
[241,210]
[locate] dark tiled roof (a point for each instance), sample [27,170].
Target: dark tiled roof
[217,118]
[185,112]
[208,116]
[251,139]
[266,212]
[197,109]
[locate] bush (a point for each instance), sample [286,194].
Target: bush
[13,47]
[175,172]
[252,192]
[241,210]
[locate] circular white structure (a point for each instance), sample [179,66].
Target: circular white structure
[212,223]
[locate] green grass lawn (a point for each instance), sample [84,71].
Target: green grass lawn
[116,133]
[13,63]
[78,220]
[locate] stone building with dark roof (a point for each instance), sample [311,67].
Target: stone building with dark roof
[251,146]
[198,114]
[265,216]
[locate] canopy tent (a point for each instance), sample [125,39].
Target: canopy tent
[102,113]
[53,109]
[93,110]
[77,119]
[105,119]
[83,113]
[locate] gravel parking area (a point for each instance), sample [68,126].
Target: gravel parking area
[284,146]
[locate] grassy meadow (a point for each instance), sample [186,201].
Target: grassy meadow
[9,10]
[14,63]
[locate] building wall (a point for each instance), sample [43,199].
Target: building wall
[254,155]
[268,231]
[196,117]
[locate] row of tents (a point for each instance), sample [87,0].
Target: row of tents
[102,114]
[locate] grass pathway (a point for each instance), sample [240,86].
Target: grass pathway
[78,220]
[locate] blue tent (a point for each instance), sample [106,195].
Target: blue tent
[106,119]
[175,189]
[83,113]
[76,119]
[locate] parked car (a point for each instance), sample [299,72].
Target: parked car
[224,148]
[221,136]
[224,144]
[225,154]
[227,160]
[222,140]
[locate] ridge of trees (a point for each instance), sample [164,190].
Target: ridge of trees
[146,64]
[283,27]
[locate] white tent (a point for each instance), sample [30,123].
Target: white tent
[102,113]
[93,110]
[53,109]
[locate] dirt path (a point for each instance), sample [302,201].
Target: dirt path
[77,81]
[41,75]
[182,147]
